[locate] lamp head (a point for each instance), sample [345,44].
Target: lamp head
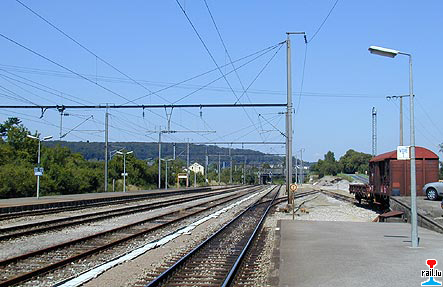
[32,137]
[383,51]
[47,138]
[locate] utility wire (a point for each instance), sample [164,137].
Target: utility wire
[10,80]
[65,134]
[260,72]
[206,47]
[26,90]
[17,95]
[47,89]
[85,48]
[28,70]
[427,115]
[227,53]
[213,81]
[61,66]
[302,79]
[212,57]
[101,59]
[266,120]
[324,21]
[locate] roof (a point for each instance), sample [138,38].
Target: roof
[196,164]
[420,152]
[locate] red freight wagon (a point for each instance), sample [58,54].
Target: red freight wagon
[389,176]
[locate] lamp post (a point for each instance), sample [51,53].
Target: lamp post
[302,174]
[392,53]
[166,171]
[38,171]
[124,167]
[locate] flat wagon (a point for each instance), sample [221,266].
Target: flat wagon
[389,176]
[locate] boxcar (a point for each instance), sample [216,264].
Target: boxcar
[389,176]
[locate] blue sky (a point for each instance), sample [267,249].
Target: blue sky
[152,42]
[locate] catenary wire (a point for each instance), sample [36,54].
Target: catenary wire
[213,59]
[46,88]
[62,66]
[324,21]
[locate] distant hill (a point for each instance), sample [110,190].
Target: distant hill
[149,151]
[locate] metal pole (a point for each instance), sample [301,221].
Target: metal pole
[38,165]
[302,175]
[166,174]
[124,172]
[61,123]
[374,131]
[159,159]
[401,120]
[106,149]
[219,168]
[195,179]
[296,168]
[206,166]
[230,172]
[289,114]
[173,145]
[414,229]
[244,171]
[187,160]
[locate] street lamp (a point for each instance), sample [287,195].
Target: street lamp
[166,171]
[38,171]
[392,53]
[124,167]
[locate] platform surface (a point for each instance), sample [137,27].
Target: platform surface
[425,206]
[320,253]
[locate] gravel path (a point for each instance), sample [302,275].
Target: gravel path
[321,207]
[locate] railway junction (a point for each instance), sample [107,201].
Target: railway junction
[220,236]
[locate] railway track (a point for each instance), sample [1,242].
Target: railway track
[217,260]
[338,196]
[21,268]
[50,225]
[423,220]
[93,203]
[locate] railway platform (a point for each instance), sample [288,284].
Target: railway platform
[325,253]
[425,206]
[44,202]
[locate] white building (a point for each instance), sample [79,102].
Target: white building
[197,168]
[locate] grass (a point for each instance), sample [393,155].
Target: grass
[346,177]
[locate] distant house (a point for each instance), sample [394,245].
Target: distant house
[197,168]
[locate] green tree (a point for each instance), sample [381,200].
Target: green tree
[328,166]
[353,161]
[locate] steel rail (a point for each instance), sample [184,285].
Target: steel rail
[162,277]
[429,221]
[80,204]
[31,228]
[338,196]
[53,266]
[231,275]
